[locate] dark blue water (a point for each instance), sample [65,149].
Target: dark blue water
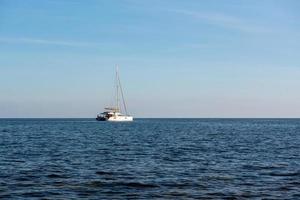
[150,158]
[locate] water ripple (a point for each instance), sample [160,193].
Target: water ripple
[150,159]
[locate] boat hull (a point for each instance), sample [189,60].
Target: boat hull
[116,119]
[100,118]
[120,119]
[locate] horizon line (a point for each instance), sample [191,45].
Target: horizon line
[155,118]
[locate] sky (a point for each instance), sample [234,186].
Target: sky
[195,58]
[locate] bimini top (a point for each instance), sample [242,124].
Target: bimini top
[115,109]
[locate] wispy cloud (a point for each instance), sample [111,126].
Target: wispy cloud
[37,41]
[215,18]
[222,20]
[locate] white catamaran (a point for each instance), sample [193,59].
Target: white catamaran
[114,114]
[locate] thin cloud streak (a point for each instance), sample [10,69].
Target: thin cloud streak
[223,20]
[36,41]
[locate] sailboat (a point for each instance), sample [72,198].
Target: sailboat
[114,114]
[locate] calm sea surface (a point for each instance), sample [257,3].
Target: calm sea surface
[150,159]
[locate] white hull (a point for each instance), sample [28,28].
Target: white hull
[120,119]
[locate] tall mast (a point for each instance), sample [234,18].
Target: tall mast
[122,94]
[117,89]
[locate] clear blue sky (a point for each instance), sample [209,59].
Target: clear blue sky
[195,58]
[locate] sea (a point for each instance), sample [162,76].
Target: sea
[150,159]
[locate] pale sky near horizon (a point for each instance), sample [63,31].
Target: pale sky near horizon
[194,58]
